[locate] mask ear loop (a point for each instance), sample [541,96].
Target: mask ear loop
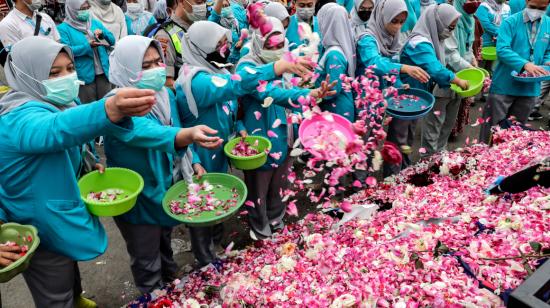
[22,74]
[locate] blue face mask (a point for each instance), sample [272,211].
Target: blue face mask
[62,90]
[153,79]
[83,15]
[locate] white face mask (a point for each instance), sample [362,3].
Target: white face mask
[105,2]
[34,5]
[134,8]
[445,34]
[198,13]
[305,13]
[534,14]
[269,56]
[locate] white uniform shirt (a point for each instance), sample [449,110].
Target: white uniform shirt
[17,26]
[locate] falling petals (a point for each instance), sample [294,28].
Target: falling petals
[276,123]
[271,134]
[267,102]
[258,115]
[218,81]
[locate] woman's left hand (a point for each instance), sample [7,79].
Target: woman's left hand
[406,86]
[99,167]
[98,33]
[199,170]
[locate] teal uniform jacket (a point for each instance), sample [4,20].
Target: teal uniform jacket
[83,52]
[150,151]
[39,164]
[514,51]
[129,21]
[413,8]
[486,18]
[368,55]
[252,104]
[341,103]
[292,32]
[424,56]
[217,108]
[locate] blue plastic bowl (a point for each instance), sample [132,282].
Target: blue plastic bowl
[410,117]
[410,107]
[531,79]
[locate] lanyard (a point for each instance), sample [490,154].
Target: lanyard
[33,25]
[533,33]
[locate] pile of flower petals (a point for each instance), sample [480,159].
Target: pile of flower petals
[397,259]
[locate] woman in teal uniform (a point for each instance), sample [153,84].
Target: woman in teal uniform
[157,150]
[360,15]
[207,94]
[424,48]
[379,45]
[459,55]
[264,184]
[89,41]
[338,57]
[41,133]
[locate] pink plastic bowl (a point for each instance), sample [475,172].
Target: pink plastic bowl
[310,129]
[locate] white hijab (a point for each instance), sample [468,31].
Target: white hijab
[359,26]
[71,11]
[111,16]
[258,42]
[432,22]
[123,72]
[201,39]
[384,12]
[335,30]
[277,10]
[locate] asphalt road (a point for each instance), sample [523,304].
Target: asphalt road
[108,280]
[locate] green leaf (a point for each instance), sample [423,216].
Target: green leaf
[414,256]
[536,246]
[418,264]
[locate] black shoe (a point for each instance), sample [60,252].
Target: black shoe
[535,115]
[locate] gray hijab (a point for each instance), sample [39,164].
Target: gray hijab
[431,24]
[384,12]
[28,63]
[71,11]
[124,70]
[201,38]
[258,42]
[335,30]
[359,26]
[277,10]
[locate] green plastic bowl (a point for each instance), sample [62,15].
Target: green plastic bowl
[475,77]
[20,234]
[114,178]
[489,53]
[225,187]
[248,162]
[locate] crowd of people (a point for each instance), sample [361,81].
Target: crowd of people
[166,84]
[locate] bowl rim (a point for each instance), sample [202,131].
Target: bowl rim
[246,158]
[32,248]
[117,202]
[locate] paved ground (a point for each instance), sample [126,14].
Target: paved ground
[108,280]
